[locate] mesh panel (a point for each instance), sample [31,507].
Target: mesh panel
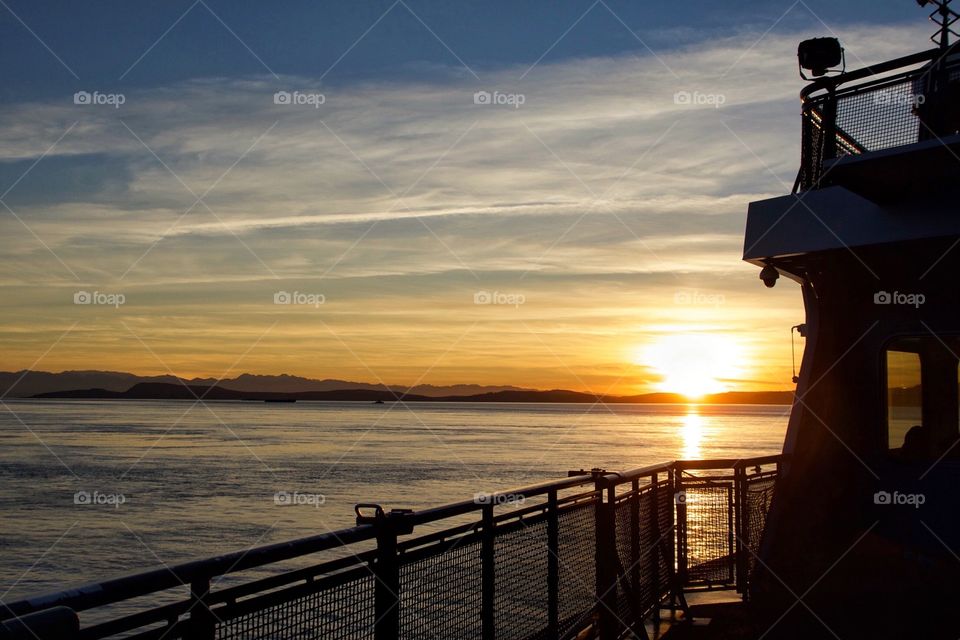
[759,493]
[651,545]
[643,571]
[878,118]
[665,504]
[578,578]
[709,550]
[627,601]
[440,595]
[521,574]
[883,116]
[812,162]
[341,611]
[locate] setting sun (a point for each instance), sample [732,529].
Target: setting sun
[692,365]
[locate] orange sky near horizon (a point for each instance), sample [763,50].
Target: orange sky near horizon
[688,343]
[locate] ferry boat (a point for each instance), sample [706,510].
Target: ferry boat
[851,533]
[863,536]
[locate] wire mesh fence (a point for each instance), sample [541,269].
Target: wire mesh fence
[882,112]
[756,497]
[576,575]
[602,551]
[706,522]
[440,591]
[341,610]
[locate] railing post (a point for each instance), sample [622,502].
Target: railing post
[605,558]
[740,482]
[488,576]
[672,524]
[386,591]
[807,158]
[386,567]
[202,626]
[829,127]
[635,557]
[553,566]
[680,503]
[654,550]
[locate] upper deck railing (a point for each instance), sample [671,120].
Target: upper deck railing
[883,106]
[595,550]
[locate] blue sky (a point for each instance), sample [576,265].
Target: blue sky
[100,41]
[607,191]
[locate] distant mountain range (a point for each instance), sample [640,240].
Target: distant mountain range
[119,386]
[26,384]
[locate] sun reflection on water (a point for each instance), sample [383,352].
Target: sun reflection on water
[692,433]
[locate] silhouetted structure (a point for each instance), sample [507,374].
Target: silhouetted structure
[864,525]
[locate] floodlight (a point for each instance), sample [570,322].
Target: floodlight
[820,56]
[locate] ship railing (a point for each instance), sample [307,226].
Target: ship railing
[597,550]
[893,104]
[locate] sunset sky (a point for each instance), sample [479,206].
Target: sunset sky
[596,213]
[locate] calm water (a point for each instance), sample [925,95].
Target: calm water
[202,480]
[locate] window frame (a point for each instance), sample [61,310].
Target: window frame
[883,387]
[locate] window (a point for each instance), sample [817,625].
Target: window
[922,388]
[904,395]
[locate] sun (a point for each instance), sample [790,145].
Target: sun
[692,365]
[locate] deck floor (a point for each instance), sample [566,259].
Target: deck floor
[714,618]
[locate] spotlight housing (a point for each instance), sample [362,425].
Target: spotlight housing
[820,56]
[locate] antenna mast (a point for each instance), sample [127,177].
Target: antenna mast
[944,17]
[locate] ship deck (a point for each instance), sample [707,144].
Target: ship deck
[714,615]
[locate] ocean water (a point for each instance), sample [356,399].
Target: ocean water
[95,489]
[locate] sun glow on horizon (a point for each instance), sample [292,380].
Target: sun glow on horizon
[693,365]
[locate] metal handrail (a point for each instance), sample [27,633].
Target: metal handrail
[830,83]
[139,584]
[826,133]
[395,545]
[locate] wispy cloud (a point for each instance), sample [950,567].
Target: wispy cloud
[604,186]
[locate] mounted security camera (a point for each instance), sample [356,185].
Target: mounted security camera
[769,275]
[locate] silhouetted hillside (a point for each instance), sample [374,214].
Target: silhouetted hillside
[166,391]
[26,384]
